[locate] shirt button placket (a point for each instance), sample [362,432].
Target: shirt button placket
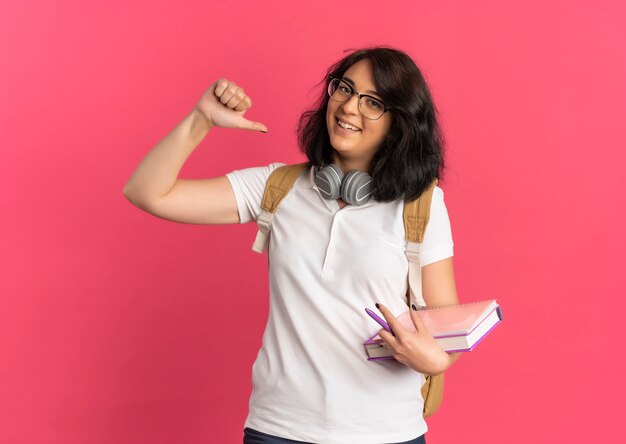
[327,272]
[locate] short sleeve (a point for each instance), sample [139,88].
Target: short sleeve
[249,185]
[437,244]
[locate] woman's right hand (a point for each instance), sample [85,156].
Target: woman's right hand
[224,104]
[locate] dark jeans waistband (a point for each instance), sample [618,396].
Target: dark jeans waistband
[251,436]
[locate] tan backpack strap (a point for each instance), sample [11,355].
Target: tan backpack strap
[278,185]
[276,188]
[432,393]
[416,216]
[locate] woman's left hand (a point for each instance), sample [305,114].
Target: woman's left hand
[418,349]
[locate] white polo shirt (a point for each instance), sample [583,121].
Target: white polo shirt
[312,380]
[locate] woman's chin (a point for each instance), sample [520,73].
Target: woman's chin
[341,143]
[341,148]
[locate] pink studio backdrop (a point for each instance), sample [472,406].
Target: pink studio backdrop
[119,327]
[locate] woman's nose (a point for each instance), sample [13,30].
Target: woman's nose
[351,106]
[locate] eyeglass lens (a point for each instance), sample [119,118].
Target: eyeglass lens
[340,91]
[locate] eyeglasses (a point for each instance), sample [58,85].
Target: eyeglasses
[340,91]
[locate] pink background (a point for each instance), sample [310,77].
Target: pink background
[119,327]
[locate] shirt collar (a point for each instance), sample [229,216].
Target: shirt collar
[307,179]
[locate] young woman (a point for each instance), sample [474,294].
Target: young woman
[330,259]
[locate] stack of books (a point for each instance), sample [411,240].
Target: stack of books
[456,328]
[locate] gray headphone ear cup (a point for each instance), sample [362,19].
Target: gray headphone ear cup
[328,182]
[356,188]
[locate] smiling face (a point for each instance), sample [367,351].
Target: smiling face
[356,149]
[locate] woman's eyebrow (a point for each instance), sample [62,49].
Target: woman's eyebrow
[351,82]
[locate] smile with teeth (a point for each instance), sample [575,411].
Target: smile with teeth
[347,126]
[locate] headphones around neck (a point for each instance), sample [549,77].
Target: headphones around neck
[354,189]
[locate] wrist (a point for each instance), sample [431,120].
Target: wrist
[202,117]
[444,362]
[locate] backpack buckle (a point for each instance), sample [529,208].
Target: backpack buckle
[264,221]
[412,252]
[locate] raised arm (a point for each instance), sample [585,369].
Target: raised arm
[155,187]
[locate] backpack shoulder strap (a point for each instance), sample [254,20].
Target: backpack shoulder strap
[416,216]
[278,184]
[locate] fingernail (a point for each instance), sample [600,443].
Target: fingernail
[413,307]
[377,305]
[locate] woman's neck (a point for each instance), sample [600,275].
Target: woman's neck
[348,165]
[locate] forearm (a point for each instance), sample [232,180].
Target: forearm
[157,173]
[445,363]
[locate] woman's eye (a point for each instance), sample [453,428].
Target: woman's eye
[344,89]
[374,104]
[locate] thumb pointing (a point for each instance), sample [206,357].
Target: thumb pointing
[256,126]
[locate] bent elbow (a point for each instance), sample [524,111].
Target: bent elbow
[133,197]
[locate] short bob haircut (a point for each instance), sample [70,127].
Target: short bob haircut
[411,155]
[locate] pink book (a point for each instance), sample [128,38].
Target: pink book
[456,328]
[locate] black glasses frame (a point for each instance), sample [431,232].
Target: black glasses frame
[359,95]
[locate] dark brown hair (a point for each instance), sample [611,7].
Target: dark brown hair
[411,155]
